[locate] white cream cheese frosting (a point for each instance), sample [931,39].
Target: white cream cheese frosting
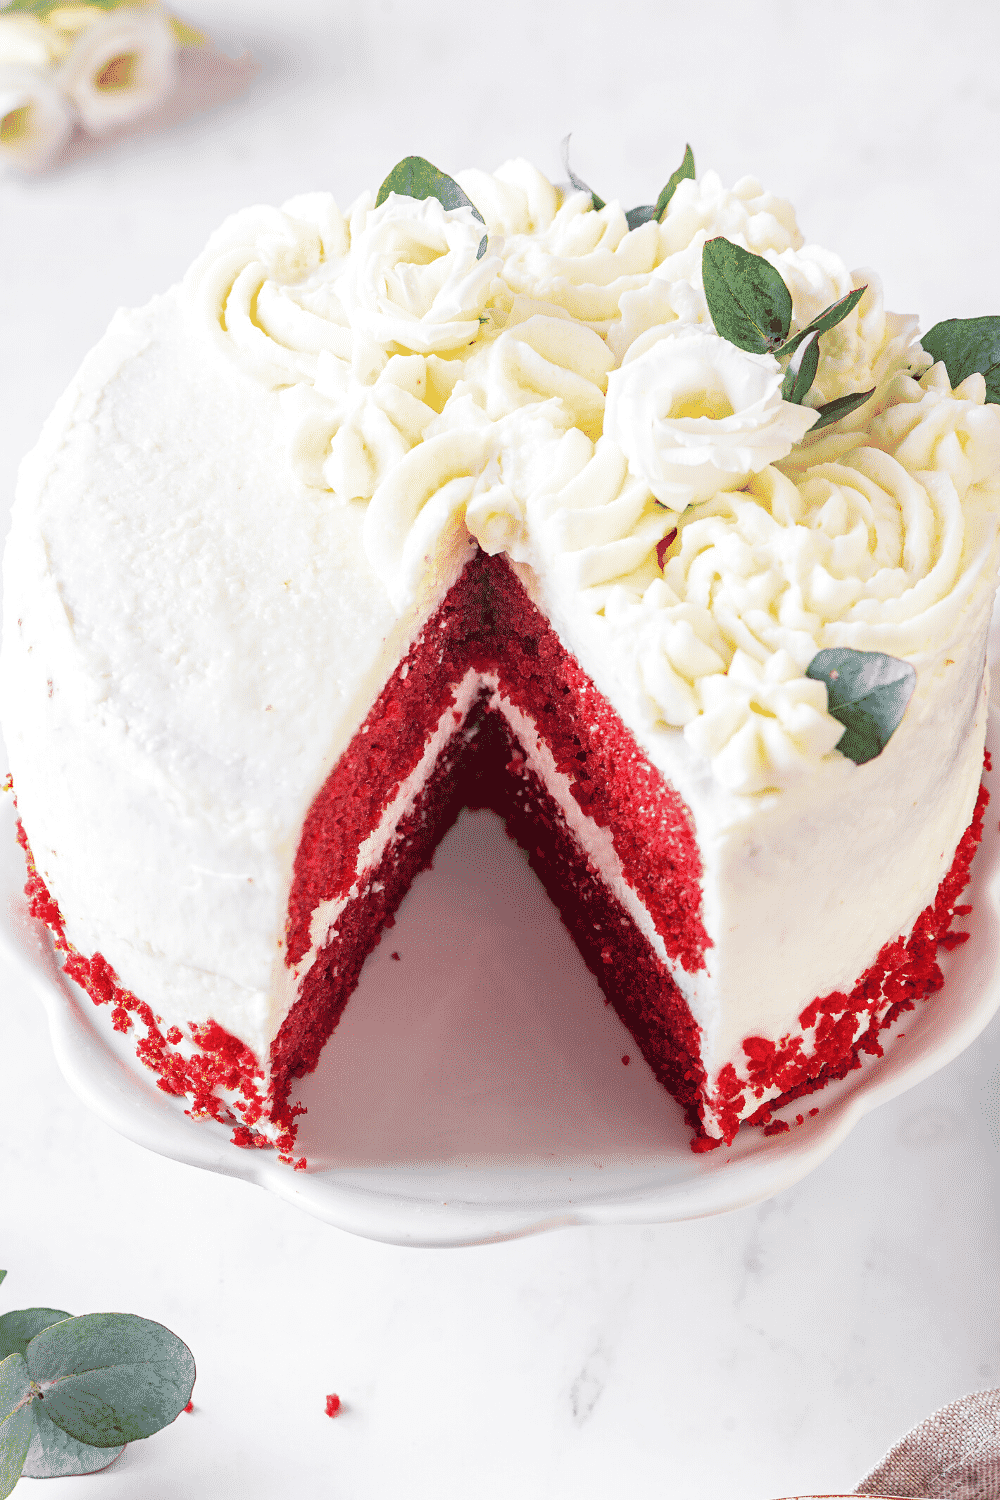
[329,416]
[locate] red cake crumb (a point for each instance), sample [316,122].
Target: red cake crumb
[332,1405]
[396,957]
[905,970]
[626,1059]
[190,1406]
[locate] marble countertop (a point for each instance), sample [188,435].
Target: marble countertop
[775,1351]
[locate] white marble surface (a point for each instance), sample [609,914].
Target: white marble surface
[775,1351]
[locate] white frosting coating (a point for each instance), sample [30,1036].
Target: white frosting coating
[276,474]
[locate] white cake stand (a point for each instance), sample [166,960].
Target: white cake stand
[477,1089]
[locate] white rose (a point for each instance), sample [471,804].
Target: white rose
[695,415]
[122,65]
[35,119]
[413,278]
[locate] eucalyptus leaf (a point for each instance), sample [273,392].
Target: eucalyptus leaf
[828,318]
[2,1275]
[834,410]
[578,182]
[797,383]
[647,211]
[17,1329]
[967,346]
[16,1421]
[110,1378]
[640,215]
[750,304]
[686,169]
[53,1454]
[414,177]
[867,692]
[993,385]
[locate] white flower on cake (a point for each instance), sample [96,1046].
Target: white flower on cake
[695,415]
[414,280]
[122,63]
[35,119]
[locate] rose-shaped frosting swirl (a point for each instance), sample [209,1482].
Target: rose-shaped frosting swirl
[515,199]
[538,359]
[415,280]
[262,289]
[930,426]
[584,261]
[702,208]
[695,415]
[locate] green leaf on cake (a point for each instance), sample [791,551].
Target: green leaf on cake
[647,211]
[17,1329]
[867,692]
[750,304]
[797,383]
[828,318]
[110,1378]
[578,182]
[968,346]
[834,410]
[53,1454]
[16,1421]
[686,169]
[414,177]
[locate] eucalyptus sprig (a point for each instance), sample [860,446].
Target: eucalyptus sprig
[752,307]
[645,211]
[74,1391]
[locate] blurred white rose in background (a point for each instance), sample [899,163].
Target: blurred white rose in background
[120,64]
[35,119]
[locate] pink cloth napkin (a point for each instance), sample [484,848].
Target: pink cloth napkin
[954,1454]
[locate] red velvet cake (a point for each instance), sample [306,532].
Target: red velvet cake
[430,505]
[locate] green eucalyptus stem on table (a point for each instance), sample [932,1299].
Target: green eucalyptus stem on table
[74,1391]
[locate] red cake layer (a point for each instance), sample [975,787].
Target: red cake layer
[488,623]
